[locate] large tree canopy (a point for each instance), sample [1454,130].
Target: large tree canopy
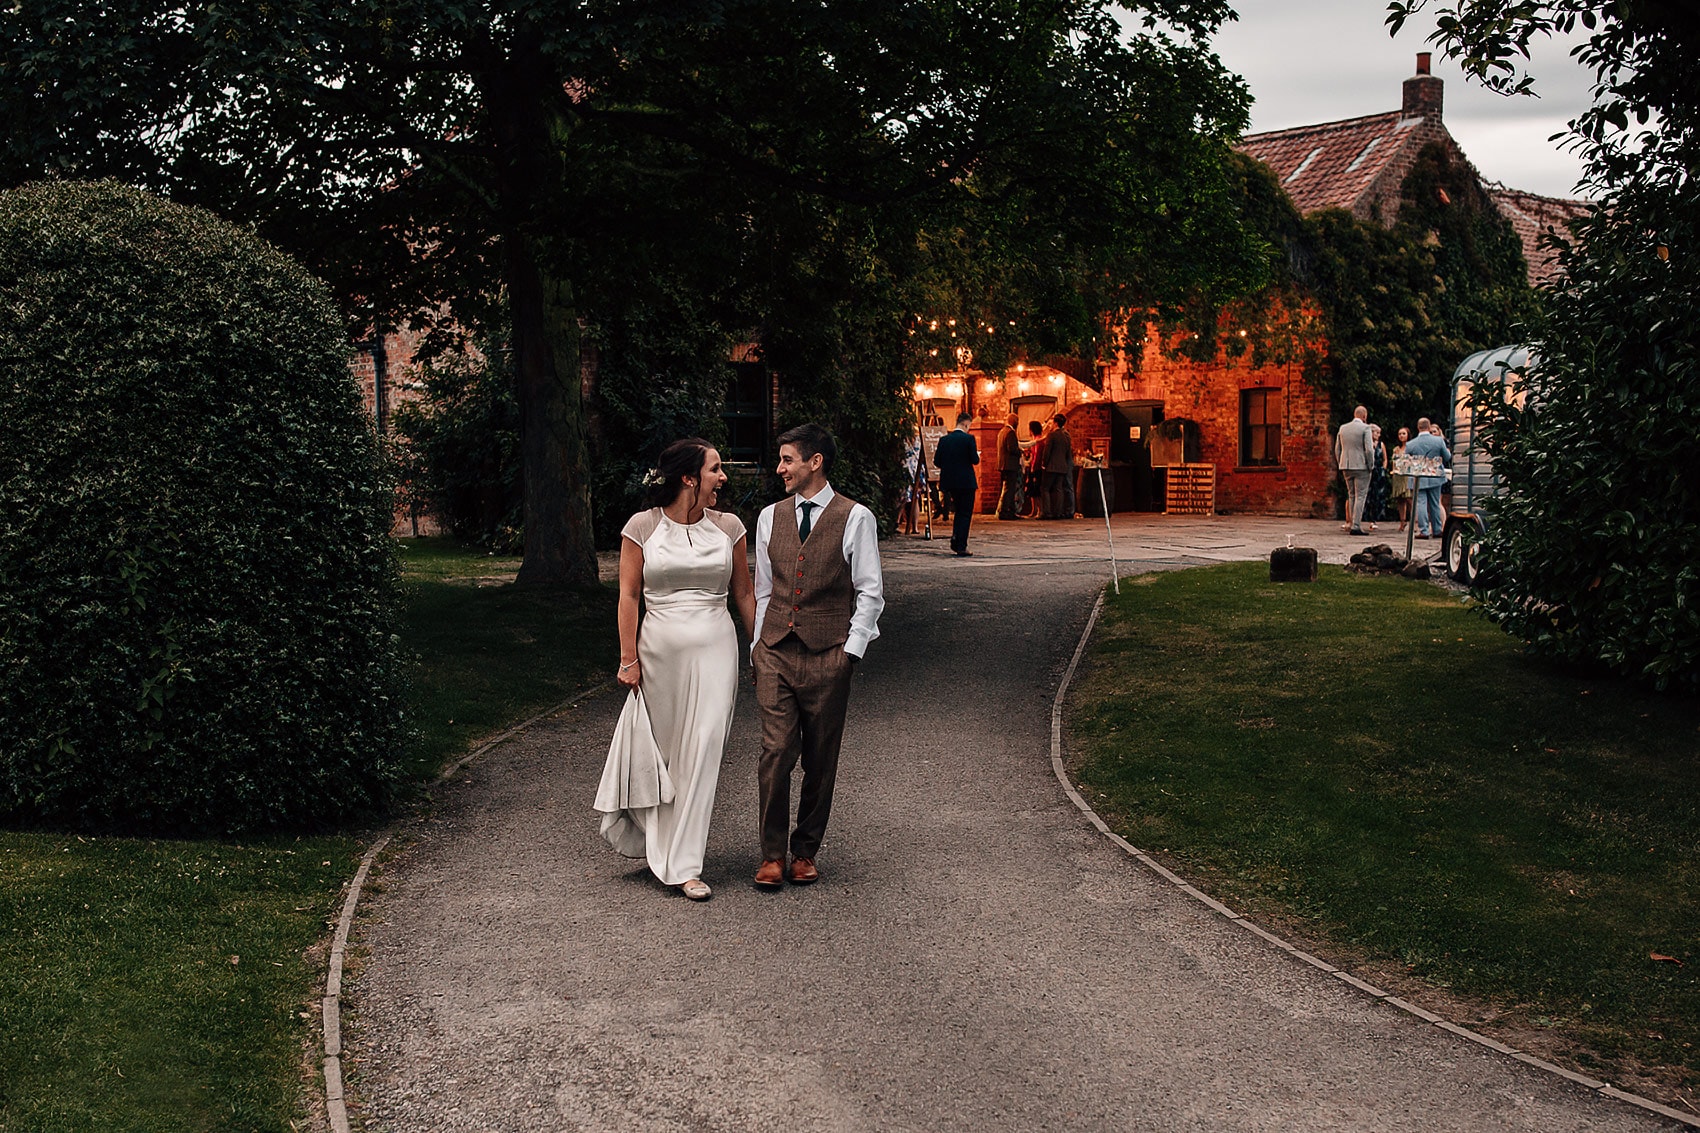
[428,154]
[1593,552]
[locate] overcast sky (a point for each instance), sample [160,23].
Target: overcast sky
[1310,61]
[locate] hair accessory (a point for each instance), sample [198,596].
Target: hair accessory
[653,478]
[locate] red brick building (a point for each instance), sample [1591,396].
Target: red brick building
[1265,432]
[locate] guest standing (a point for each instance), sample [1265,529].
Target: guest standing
[1033,465]
[1401,485]
[1009,469]
[1355,459]
[1059,470]
[956,454]
[1426,443]
[1380,487]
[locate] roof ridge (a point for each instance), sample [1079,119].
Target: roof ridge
[1289,130]
[1501,187]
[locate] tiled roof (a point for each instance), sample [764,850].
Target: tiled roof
[1532,216]
[1333,164]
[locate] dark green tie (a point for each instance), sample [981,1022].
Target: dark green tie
[803,527]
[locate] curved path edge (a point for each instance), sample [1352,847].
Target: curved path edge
[1297,953]
[330,1015]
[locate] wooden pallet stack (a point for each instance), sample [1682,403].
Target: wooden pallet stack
[1191,489]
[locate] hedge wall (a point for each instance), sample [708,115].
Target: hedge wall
[196,585]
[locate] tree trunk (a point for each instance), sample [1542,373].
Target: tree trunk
[559,544]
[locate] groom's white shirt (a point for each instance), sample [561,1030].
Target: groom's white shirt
[861,552]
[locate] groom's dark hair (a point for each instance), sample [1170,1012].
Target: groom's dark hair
[810,439]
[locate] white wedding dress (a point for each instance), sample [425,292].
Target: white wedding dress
[657,788]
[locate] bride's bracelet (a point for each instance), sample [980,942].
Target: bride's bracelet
[627,665]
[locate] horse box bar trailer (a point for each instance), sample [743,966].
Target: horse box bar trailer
[1473,478]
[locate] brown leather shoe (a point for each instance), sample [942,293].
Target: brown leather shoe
[803,871]
[771,875]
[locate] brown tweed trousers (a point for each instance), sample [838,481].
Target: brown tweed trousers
[803,676]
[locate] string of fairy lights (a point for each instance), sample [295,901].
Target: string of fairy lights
[955,382]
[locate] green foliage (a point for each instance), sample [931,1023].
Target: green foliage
[661,374]
[1015,155]
[461,445]
[1594,552]
[1397,306]
[196,584]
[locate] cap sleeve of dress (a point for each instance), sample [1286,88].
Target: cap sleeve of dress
[641,526]
[730,524]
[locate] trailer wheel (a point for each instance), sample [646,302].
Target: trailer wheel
[1461,541]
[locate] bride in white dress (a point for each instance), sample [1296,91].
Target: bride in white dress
[681,664]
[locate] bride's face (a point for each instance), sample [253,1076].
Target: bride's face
[710,480]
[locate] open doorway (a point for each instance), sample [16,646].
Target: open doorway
[1137,485]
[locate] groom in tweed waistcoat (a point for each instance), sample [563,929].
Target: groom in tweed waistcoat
[818,602]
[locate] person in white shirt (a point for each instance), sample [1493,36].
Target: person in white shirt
[818,601]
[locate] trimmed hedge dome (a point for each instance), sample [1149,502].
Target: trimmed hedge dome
[197,586]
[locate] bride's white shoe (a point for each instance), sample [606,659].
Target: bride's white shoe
[696,890]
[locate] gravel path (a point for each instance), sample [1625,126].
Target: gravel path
[976,955]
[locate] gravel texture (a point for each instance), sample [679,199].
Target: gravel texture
[976,955]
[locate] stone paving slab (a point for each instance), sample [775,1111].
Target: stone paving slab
[977,955]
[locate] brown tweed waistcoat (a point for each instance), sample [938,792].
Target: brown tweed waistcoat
[813,596]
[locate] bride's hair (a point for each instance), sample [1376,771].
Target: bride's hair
[678,460]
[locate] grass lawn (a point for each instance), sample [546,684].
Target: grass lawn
[490,654]
[1364,761]
[150,985]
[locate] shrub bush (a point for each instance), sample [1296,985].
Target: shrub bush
[196,585]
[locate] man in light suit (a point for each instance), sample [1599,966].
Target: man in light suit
[1354,454]
[1428,517]
[956,454]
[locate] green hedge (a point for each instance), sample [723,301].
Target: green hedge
[196,586]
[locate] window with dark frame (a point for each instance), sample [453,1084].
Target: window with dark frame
[748,414]
[1260,426]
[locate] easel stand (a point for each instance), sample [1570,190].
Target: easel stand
[1104,500]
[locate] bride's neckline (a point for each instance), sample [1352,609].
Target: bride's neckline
[679,523]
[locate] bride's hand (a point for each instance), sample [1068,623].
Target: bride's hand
[629,673]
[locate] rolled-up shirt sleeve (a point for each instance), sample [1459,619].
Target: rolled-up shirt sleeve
[862,553]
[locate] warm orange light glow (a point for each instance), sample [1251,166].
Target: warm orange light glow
[954,389]
[1056,379]
[991,385]
[923,391]
[1023,385]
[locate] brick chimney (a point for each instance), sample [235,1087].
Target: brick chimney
[1423,92]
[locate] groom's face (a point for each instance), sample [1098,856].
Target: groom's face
[798,474]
